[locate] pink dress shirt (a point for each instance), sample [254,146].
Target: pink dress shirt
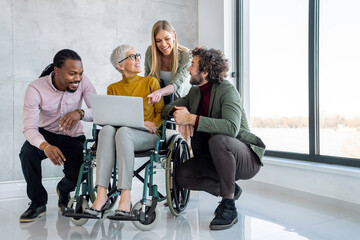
[44,105]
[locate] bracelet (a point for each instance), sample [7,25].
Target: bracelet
[46,147]
[81,114]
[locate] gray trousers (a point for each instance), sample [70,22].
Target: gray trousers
[122,142]
[220,162]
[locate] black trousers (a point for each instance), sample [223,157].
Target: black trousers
[217,164]
[31,158]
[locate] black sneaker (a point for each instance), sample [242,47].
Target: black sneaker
[32,213]
[227,217]
[63,199]
[237,194]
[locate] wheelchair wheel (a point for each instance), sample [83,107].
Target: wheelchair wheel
[84,205]
[151,220]
[177,197]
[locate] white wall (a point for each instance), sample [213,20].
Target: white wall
[216,28]
[31,32]
[211,24]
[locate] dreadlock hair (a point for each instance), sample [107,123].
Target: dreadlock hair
[59,60]
[213,62]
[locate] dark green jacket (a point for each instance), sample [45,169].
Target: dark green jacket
[226,114]
[181,79]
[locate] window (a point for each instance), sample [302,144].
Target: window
[339,78]
[299,64]
[279,73]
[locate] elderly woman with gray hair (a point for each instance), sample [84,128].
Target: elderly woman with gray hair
[122,142]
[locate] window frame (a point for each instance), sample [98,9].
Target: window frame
[313,86]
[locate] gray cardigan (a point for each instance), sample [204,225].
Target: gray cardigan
[180,79]
[226,114]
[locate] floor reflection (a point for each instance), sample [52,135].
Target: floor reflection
[102,229]
[262,216]
[179,228]
[35,229]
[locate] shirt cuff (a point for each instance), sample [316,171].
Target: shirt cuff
[197,121]
[87,114]
[38,141]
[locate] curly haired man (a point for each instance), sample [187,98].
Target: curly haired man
[224,148]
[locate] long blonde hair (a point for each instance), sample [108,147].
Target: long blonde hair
[164,25]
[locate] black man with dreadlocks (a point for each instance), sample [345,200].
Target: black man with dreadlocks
[52,127]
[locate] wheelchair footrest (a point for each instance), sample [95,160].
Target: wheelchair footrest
[79,215]
[123,218]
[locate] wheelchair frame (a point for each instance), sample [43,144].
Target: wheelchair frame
[145,213]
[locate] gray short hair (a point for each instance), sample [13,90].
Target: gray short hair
[119,54]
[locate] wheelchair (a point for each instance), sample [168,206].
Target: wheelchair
[168,153]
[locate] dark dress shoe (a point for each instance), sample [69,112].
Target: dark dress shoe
[63,199]
[237,194]
[32,213]
[227,217]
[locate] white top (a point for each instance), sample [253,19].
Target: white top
[166,77]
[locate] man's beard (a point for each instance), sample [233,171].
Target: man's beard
[70,90]
[196,80]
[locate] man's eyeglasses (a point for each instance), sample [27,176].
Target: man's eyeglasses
[133,57]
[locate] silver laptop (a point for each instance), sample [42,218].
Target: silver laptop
[118,111]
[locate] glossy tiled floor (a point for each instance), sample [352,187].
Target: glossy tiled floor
[265,212]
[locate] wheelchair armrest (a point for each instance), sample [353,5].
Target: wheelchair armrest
[167,124]
[94,133]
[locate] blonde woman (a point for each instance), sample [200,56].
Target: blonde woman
[168,61]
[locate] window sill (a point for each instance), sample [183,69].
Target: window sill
[338,182]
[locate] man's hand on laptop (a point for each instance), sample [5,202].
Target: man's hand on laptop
[69,120]
[150,126]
